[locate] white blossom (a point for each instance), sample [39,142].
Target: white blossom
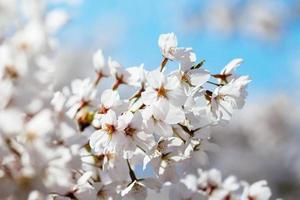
[256,191]
[168,44]
[72,144]
[83,92]
[229,97]
[100,65]
[109,137]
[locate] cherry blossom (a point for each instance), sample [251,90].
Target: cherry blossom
[60,142]
[257,191]
[168,44]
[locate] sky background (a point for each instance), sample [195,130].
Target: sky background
[128,31]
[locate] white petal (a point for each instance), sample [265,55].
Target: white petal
[163,129]
[172,83]
[149,96]
[160,109]
[152,183]
[155,78]
[199,77]
[214,177]
[95,137]
[84,178]
[169,40]
[137,120]
[124,120]
[175,115]
[109,97]
[98,60]
[231,66]
[177,96]
[109,118]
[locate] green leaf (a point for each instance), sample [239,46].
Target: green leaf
[197,66]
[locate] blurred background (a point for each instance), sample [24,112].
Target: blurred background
[262,141]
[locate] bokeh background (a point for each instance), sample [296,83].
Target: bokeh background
[263,140]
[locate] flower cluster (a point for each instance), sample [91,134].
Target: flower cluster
[264,144]
[162,126]
[209,185]
[79,143]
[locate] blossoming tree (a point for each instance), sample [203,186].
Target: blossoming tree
[82,143]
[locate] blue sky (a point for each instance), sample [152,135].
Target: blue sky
[128,30]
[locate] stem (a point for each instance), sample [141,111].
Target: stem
[163,64]
[98,78]
[138,93]
[116,85]
[216,84]
[10,146]
[118,82]
[91,164]
[141,148]
[190,132]
[131,172]
[183,140]
[142,106]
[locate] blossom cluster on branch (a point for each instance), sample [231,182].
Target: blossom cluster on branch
[79,143]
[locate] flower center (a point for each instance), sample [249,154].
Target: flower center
[31,136]
[129,131]
[119,81]
[103,109]
[110,129]
[251,198]
[161,92]
[10,72]
[185,77]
